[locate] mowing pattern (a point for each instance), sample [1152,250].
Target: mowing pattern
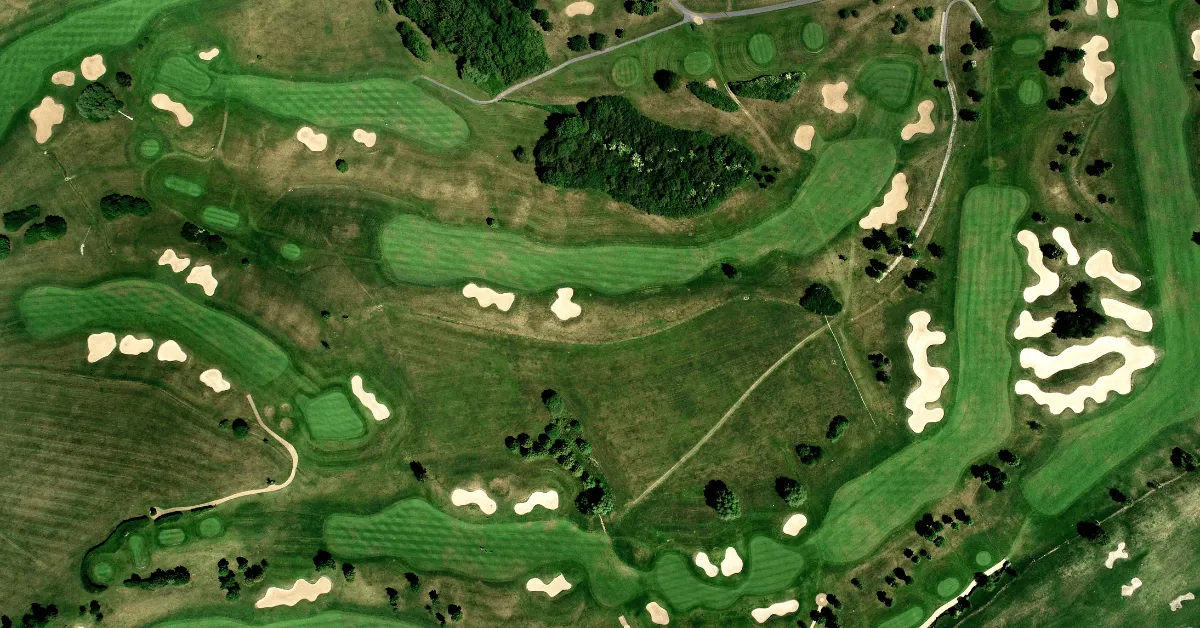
[1028,46]
[325,619]
[177,183]
[291,251]
[221,218]
[330,417]
[845,180]
[772,568]
[697,63]
[244,354]
[627,72]
[425,538]
[888,82]
[761,48]
[813,36]
[1030,91]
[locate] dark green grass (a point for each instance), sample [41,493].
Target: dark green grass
[888,81]
[330,417]
[769,568]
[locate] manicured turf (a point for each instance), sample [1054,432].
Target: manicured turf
[183,186]
[171,536]
[627,72]
[949,588]
[137,549]
[211,527]
[761,48]
[426,538]
[248,357]
[330,417]
[325,619]
[888,81]
[984,559]
[220,218]
[1157,103]
[1030,45]
[846,179]
[1020,6]
[697,63]
[291,251]
[1030,91]
[891,495]
[102,572]
[150,148]
[813,36]
[909,618]
[771,567]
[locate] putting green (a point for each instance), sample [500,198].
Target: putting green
[627,72]
[221,218]
[291,251]
[324,619]
[330,417]
[1030,45]
[983,559]
[211,527]
[888,81]
[102,572]
[865,510]
[137,549]
[171,536]
[813,36]
[909,618]
[845,180]
[697,63]
[1030,91]
[249,357]
[425,538]
[176,183]
[150,148]
[771,568]
[948,588]
[761,48]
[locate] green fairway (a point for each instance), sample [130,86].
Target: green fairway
[1020,6]
[813,36]
[1030,45]
[697,63]
[220,218]
[171,536]
[949,587]
[330,417]
[183,186]
[138,551]
[761,48]
[291,251]
[425,538]
[912,616]
[771,568]
[888,81]
[325,619]
[211,527]
[891,495]
[627,72]
[1030,91]
[846,179]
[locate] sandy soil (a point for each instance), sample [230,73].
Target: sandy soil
[1063,238]
[301,590]
[209,55]
[545,499]
[378,411]
[780,609]
[804,136]
[732,563]
[894,202]
[1111,9]
[579,8]
[487,297]
[924,123]
[101,346]
[1177,603]
[794,524]
[834,95]
[169,351]
[66,78]
[316,142]
[1135,317]
[164,102]
[1091,7]
[203,277]
[1128,589]
[177,264]
[702,561]
[933,379]
[1101,265]
[135,346]
[364,137]
[624,624]
[1047,279]
[1116,555]
[658,614]
[563,308]
[712,82]
[213,379]
[92,67]
[552,588]
[1119,381]
[1028,327]
[1096,71]
[462,497]
[45,116]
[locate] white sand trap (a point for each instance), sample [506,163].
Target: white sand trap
[1128,589]
[135,346]
[213,379]
[203,277]
[316,142]
[933,379]
[794,525]
[169,351]
[101,345]
[697,19]
[1063,238]
[302,590]
[378,411]
[834,95]
[712,82]
[924,123]
[487,297]
[1045,366]
[461,497]
[366,138]
[563,308]
[552,588]
[1177,603]
[45,116]
[894,202]
[780,609]
[1135,317]
[92,67]
[177,264]
[1047,279]
[1196,45]
[702,561]
[164,102]
[545,499]
[732,563]
[579,8]
[1096,71]
[624,624]
[1101,265]
[658,614]
[1091,7]
[1111,9]
[66,78]
[1028,327]
[1116,555]
[804,136]
[209,55]
[1119,381]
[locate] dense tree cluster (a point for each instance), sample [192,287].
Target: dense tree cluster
[15,219]
[923,14]
[667,81]
[38,615]
[882,365]
[980,35]
[413,41]
[159,578]
[718,497]
[899,24]
[919,278]
[929,528]
[791,491]
[611,147]
[97,103]
[713,96]
[773,87]
[211,241]
[1054,61]
[837,426]
[818,298]
[990,475]
[1067,97]
[1098,167]
[1083,321]
[113,206]
[809,454]
[1183,459]
[50,228]
[597,41]
[1051,250]
[93,609]
[641,7]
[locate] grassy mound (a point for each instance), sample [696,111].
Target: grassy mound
[888,81]
[812,36]
[761,48]
[627,72]
[1030,91]
[1030,45]
[291,251]
[330,417]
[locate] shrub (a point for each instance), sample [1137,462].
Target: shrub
[520,154]
[935,49]
[240,427]
[1051,250]
[1058,7]
[837,425]
[97,103]
[341,165]
[418,470]
[718,497]
[595,500]
[15,219]
[818,298]
[990,475]
[51,228]
[791,491]
[124,80]
[923,14]
[597,41]
[577,43]
[1182,459]
[773,87]
[413,41]
[5,247]
[641,7]
[809,454]
[210,241]
[1091,531]
[348,572]
[160,578]
[899,24]
[712,96]
[113,206]
[667,80]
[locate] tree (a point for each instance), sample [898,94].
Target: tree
[968,115]
[1083,321]
[923,14]
[1091,531]
[341,165]
[418,470]
[254,573]
[597,41]
[818,298]
[641,7]
[1058,24]
[521,155]
[990,475]
[1182,459]
[15,219]
[577,43]
[1009,458]
[935,49]
[837,425]
[348,572]
[240,427]
[809,454]
[1054,61]
[413,581]
[667,81]
[1051,250]
[50,228]
[919,278]
[1058,7]
[899,25]
[455,611]
[413,41]
[718,497]
[113,206]
[980,35]
[1117,495]
[159,578]
[323,560]
[124,80]
[790,491]
[97,103]
[595,500]
[935,249]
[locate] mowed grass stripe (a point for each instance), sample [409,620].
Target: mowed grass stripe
[325,619]
[770,567]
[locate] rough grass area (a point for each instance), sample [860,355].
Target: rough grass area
[888,81]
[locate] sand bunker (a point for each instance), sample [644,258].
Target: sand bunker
[780,609]
[1177,603]
[1091,7]
[834,95]
[894,202]
[1128,589]
[212,378]
[378,410]
[924,123]
[45,116]
[545,499]
[579,8]
[101,345]
[169,258]
[92,67]
[1101,265]
[169,351]
[1135,317]
[302,590]
[1196,45]
[461,497]
[1047,280]
[702,561]
[658,614]
[209,55]
[1027,327]
[1063,238]
[552,588]
[316,142]
[933,379]
[487,296]
[203,277]
[1111,9]
[1119,381]
[562,307]
[136,346]
[732,563]
[366,138]
[66,78]
[164,102]
[712,82]
[1096,71]
[804,136]
[794,525]
[1116,555]
[624,624]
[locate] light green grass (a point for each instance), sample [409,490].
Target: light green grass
[1030,91]
[771,567]
[949,588]
[150,148]
[211,527]
[627,72]
[843,183]
[139,552]
[813,36]
[102,572]
[176,183]
[171,536]
[983,559]
[324,619]
[291,251]
[330,417]
[865,510]
[697,63]
[912,616]
[221,218]
[888,81]
[761,48]
[1030,45]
